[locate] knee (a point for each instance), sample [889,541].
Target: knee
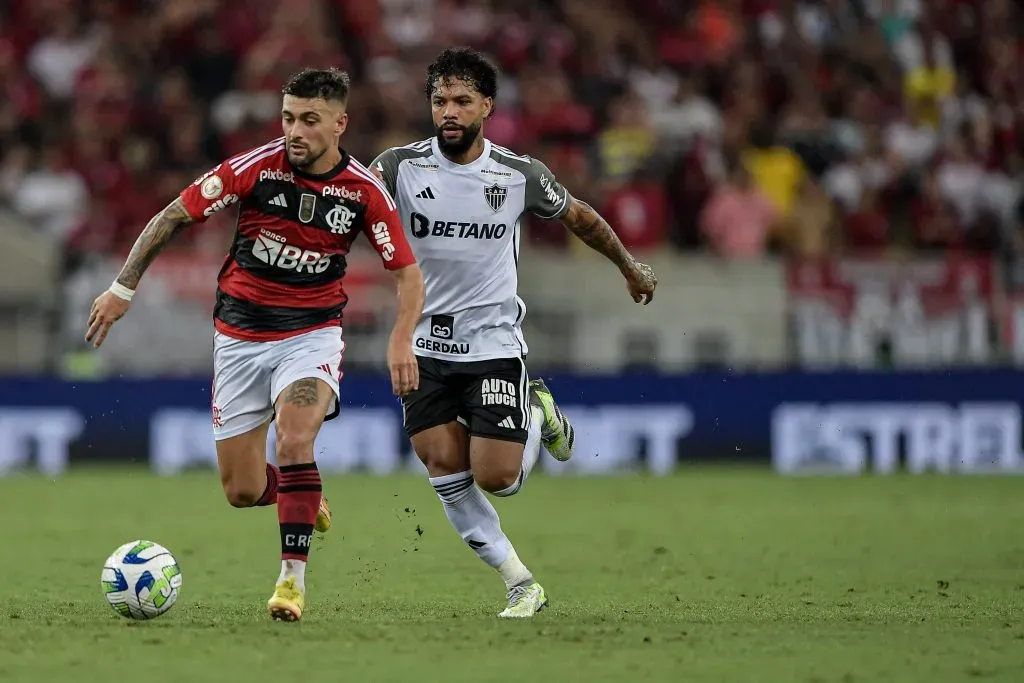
[239,494]
[497,480]
[294,446]
[444,449]
[441,462]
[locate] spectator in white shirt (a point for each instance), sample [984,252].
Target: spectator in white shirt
[911,142]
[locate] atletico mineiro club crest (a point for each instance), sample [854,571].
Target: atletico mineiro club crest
[495,196]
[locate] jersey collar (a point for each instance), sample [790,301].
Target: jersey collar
[452,166]
[326,175]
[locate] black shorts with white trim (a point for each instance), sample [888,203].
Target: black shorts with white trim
[490,397]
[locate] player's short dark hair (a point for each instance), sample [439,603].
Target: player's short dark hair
[464,64]
[325,84]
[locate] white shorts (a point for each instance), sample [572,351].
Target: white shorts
[249,376]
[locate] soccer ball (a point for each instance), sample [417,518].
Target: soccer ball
[141,580]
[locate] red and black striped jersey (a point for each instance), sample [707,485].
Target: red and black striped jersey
[283,275]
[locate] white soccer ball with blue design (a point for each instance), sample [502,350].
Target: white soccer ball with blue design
[141,580]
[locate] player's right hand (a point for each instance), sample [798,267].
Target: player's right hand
[106,310]
[405,370]
[641,281]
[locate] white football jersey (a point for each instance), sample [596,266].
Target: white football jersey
[463,224]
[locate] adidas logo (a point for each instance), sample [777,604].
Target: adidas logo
[507,423]
[279,200]
[426,193]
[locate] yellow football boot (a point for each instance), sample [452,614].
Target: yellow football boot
[287,602]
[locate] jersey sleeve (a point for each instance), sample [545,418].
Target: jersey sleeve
[215,190]
[387,166]
[545,196]
[384,229]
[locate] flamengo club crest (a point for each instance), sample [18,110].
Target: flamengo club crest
[339,219]
[495,196]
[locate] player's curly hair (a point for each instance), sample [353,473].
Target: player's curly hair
[326,84]
[464,64]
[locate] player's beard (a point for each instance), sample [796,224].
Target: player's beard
[462,144]
[307,161]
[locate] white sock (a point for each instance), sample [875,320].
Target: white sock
[296,568]
[531,453]
[514,571]
[476,521]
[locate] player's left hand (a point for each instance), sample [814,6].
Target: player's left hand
[405,371]
[641,281]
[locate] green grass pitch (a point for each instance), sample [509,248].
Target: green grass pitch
[723,576]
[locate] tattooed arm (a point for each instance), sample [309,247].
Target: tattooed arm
[584,222]
[111,305]
[158,232]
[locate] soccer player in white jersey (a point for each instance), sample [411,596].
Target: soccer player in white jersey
[476,421]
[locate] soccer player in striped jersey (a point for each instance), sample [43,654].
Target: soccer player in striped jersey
[302,201]
[461,198]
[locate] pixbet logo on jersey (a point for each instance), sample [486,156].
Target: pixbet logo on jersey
[342,193]
[277,174]
[273,250]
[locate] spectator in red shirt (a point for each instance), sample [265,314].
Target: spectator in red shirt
[638,212]
[867,228]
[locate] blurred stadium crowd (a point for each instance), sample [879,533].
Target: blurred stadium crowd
[735,126]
